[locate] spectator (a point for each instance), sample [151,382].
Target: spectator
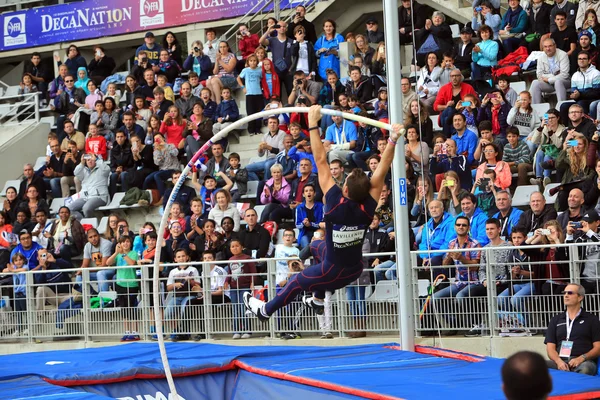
[227,112]
[211,45]
[23,220]
[57,86]
[590,187]
[569,8]
[548,138]
[151,48]
[67,237]
[590,23]
[171,44]
[74,60]
[370,137]
[93,174]
[340,139]
[121,159]
[96,144]
[584,43]
[254,238]
[359,85]
[255,101]
[275,194]
[39,74]
[210,107]
[508,215]
[379,68]
[33,202]
[416,151]
[280,46]
[225,208]
[410,15]
[437,234]
[538,26]
[242,278]
[138,73]
[300,20]
[423,197]
[149,85]
[463,51]
[373,34]
[578,123]
[327,47]
[428,83]
[304,87]
[67,102]
[509,94]
[525,376]
[538,214]
[585,85]
[513,24]
[71,160]
[96,252]
[581,356]
[132,90]
[167,67]
[72,135]
[172,127]
[573,162]
[217,164]
[485,15]
[517,156]
[365,51]
[485,53]
[436,37]
[477,218]
[54,167]
[198,62]
[199,130]
[450,191]
[238,176]
[552,72]
[9,207]
[130,128]
[564,36]
[181,281]
[143,164]
[466,140]
[408,95]
[26,85]
[101,66]
[185,102]
[17,267]
[268,148]
[165,157]
[29,180]
[444,159]
[54,286]
[574,213]
[184,196]
[40,233]
[209,239]
[582,13]
[247,44]
[586,233]
[449,96]
[494,161]
[309,215]
[524,118]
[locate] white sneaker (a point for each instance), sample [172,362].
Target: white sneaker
[237,336]
[26,332]
[246,336]
[327,335]
[16,333]
[255,306]
[308,301]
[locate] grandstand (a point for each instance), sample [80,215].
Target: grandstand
[98,304]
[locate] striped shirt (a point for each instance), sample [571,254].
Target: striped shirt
[518,155]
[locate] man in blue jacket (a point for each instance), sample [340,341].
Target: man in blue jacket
[437,233]
[466,140]
[151,48]
[309,215]
[477,218]
[507,214]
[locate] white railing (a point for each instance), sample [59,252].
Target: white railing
[372,308]
[17,109]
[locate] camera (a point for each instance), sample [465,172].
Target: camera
[483,183]
[144,59]
[545,232]
[277,26]
[43,256]
[577,224]
[298,81]
[68,151]
[121,230]
[196,49]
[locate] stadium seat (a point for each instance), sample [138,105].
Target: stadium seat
[385,291]
[252,190]
[39,163]
[56,204]
[522,194]
[518,86]
[541,108]
[434,121]
[560,103]
[14,183]
[259,209]
[114,203]
[455,31]
[103,225]
[550,199]
[90,221]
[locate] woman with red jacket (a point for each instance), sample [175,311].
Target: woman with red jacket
[173,126]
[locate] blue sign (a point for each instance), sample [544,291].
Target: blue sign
[403,195]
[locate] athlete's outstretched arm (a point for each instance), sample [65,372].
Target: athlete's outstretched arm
[325,179]
[378,178]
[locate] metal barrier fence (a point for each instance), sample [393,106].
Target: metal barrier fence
[93,307]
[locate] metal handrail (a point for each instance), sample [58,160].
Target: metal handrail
[23,106]
[232,31]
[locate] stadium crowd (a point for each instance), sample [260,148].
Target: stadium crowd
[113,138]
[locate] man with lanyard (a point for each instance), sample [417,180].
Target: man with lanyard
[340,139]
[573,337]
[348,213]
[507,214]
[537,215]
[437,233]
[586,231]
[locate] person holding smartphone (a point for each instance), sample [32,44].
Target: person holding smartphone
[573,163]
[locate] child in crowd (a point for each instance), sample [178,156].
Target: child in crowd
[470,111]
[354,104]
[285,250]
[509,93]
[194,222]
[163,82]
[176,215]
[270,80]
[297,134]
[95,143]
[227,111]
[485,190]
[19,265]
[308,215]
[381,105]
[194,81]
[206,191]
[147,258]
[180,282]
[26,85]
[239,177]
[111,91]
[210,107]
[240,281]
[255,101]
[127,285]
[141,111]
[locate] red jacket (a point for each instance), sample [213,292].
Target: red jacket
[97,146]
[275,83]
[248,45]
[445,94]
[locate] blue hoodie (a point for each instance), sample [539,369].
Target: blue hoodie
[228,110]
[437,238]
[513,220]
[477,231]
[301,214]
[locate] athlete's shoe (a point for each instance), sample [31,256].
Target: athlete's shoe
[308,301]
[255,306]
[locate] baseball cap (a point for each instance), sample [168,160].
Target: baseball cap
[591,216]
[382,89]
[466,29]
[149,35]
[372,20]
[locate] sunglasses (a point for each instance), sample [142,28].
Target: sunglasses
[69,81]
[569,292]
[461,225]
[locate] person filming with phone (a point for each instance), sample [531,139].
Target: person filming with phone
[572,162]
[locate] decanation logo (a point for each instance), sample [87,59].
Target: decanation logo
[14,30]
[151,12]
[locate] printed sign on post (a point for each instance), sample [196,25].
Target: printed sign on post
[403,196]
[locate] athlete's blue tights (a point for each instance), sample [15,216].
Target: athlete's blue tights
[317,279]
